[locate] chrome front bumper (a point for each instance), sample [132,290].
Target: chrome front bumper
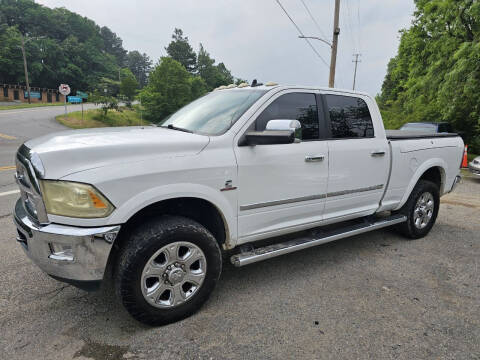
[87,254]
[474,169]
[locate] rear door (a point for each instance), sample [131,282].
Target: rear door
[358,158]
[283,187]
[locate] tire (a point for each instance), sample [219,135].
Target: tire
[420,220]
[143,265]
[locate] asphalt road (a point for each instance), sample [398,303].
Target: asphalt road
[16,127]
[374,296]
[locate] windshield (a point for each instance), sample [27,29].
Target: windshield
[214,113]
[419,127]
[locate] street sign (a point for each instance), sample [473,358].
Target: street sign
[64,89]
[74,99]
[33,95]
[82,95]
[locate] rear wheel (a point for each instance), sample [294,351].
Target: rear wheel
[421,210]
[167,270]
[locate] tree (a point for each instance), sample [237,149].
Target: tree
[11,62]
[61,47]
[128,85]
[170,87]
[140,65]
[436,73]
[214,75]
[180,50]
[113,45]
[106,101]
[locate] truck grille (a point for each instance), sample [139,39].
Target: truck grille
[29,186]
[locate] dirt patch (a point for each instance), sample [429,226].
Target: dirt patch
[453,202]
[99,351]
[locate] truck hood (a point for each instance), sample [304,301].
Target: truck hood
[71,151]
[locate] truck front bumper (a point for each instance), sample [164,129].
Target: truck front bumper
[72,254]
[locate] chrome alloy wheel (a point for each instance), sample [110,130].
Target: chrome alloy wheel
[173,274]
[423,212]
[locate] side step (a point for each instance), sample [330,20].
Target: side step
[267,252]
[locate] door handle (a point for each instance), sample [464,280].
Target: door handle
[377,153]
[314,158]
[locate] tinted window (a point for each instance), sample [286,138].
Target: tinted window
[5,92]
[294,106]
[445,128]
[349,117]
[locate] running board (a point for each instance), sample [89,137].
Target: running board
[270,251]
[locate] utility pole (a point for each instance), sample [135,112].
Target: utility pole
[356,61]
[336,32]
[25,66]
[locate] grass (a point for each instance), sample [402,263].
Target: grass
[95,119]
[27,106]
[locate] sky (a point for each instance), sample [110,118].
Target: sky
[255,39]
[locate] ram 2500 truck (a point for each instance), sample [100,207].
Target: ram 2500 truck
[244,172]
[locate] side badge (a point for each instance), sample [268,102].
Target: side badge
[228,186]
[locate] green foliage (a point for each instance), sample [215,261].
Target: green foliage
[140,65]
[214,75]
[106,101]
[11,62]
[180,50]
[170,87]
[128,85]
[61,47]
[95,118]
[436,74]
[203,65]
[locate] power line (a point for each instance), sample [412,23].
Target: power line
[313,19]
[301,33]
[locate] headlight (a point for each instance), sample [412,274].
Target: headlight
[73,199]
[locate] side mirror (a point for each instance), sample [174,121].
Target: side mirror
[292,125]
[268,137]
[276,132]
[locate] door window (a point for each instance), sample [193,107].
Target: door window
[349,117]
[293,106]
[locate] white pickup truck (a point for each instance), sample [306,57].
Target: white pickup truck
[246,172]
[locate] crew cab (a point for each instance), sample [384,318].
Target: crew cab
[245,173]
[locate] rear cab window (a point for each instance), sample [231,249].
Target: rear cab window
[349,117]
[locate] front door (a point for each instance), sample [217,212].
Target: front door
[282,187]
[359,159]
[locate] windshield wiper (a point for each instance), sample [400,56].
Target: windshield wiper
[173,127]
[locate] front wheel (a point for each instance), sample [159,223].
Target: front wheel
[421,210]
[167,270]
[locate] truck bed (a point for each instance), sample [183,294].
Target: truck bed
[406,135]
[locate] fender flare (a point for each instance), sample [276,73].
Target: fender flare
[182,190]
[422,169]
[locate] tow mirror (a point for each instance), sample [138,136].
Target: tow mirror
[276,132]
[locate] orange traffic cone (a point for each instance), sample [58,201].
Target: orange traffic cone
[465,157]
